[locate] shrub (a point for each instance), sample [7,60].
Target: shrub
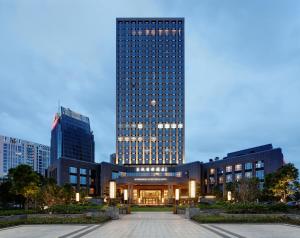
[73,208]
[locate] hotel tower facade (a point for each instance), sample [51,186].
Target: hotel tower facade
[150,91]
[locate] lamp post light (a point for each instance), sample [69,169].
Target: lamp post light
[177,196]
[125,193]
[112,191]
[77,197]
[192,191]
[229,196]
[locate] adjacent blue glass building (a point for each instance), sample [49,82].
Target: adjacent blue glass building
[150,91]
[71,137]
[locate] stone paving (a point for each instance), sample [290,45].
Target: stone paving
[153,225]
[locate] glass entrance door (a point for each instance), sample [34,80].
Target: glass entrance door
[150,197]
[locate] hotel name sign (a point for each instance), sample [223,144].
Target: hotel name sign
[150,179]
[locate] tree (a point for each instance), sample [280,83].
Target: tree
[284,182]
[6,196]
[25,182]
[217,191]
[50,193]
[244,190]
[248,189]
[68,193]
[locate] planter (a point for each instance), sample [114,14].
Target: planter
[191,211]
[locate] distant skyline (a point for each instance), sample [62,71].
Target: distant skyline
[241,60]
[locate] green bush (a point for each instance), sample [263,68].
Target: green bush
[222,219]
[278,207]
[11,212]
[66,220]
[240,208]
[74,208]
[243,208]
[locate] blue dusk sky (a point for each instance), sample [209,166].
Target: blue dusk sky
[242,63]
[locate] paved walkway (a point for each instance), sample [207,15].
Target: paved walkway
[153,225]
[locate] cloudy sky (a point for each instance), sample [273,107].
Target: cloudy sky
[242,70]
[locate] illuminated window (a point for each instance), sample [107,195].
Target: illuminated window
[259,164]
[167,125]
[228,169]
[160,126]
[211,171]
[238,167]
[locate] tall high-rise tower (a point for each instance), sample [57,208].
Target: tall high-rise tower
[71,137]
[150,91]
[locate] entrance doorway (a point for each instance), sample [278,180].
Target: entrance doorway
[150,197]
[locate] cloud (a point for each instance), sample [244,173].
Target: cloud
[242,67]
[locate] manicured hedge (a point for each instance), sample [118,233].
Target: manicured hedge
[66,220]
[74,208]
[241,208]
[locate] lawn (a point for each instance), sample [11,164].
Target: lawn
[151,209]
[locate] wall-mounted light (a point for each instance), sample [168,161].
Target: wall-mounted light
[192,188]
[112,189]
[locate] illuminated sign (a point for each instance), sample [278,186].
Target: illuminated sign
[153,32]
[150,179]
[55,121]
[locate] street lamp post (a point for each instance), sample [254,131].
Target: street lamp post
[112,191]
[192,191]
[177,196]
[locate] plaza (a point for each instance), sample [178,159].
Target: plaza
[153,224]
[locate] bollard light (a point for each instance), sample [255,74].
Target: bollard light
[112,189]
[77,197]
[192,188]
[229,198]
[125,194]
[177,194]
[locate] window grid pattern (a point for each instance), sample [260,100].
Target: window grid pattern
[150,91]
